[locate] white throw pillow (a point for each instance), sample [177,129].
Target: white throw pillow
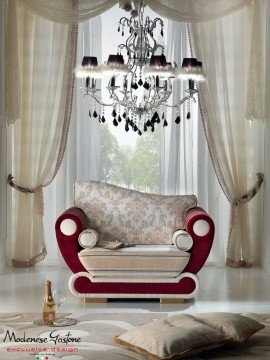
[201,227]
[68,227]
[182,240]
[88,238]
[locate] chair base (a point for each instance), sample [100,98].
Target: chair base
[95,300]
[81,286]
[172,300]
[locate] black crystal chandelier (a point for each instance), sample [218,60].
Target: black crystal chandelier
[139,88]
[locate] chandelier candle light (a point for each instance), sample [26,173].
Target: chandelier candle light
[140,88]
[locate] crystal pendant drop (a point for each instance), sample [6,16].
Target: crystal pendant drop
[114,113]
[188,115]
[177,120]
[103,119]
[95,114]
[124,115]
[165,123]
[119,118]
[140,82]
[146,85]
[90,113]
[161,32]
[115,123]
[145,127]
[135,86]
[139,132]
[126,127]
[135,127]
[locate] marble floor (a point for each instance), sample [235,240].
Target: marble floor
[221,289]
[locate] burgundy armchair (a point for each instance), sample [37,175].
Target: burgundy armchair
[153,267]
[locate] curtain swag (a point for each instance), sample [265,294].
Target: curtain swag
[71,11]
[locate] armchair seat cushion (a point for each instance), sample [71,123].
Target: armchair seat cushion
[140,262]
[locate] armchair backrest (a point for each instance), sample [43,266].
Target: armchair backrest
[131,216]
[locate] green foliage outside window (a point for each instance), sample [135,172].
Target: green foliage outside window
[137,168]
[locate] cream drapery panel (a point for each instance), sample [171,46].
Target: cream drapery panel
[46,59]
[226,48]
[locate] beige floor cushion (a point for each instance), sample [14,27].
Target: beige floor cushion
[183,335]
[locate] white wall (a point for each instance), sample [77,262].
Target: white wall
[266,232]
[3,143]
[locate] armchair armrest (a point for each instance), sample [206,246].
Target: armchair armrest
[201,228]
[68,227]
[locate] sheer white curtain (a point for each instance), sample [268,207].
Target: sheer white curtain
[186,166]
[178,149]
[45,55]
[81,160]
[226,47]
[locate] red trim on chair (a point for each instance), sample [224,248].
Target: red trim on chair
[201,244]
[85,286]
[69,245]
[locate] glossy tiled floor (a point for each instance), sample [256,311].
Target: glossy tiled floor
[221,289]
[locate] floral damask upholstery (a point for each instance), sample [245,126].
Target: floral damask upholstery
[131,216]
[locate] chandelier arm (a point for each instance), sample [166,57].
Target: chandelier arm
[159,102]
[148,96]
[113,96]
[129,39]
[123,20]
[132,76]
[98,100]
[154,23]
[181,101]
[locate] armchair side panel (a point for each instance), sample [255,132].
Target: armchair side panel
[68,245]
[201,244]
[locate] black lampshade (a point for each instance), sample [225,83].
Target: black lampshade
[89,61]
[115,60]
[189,63]
[158,61]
